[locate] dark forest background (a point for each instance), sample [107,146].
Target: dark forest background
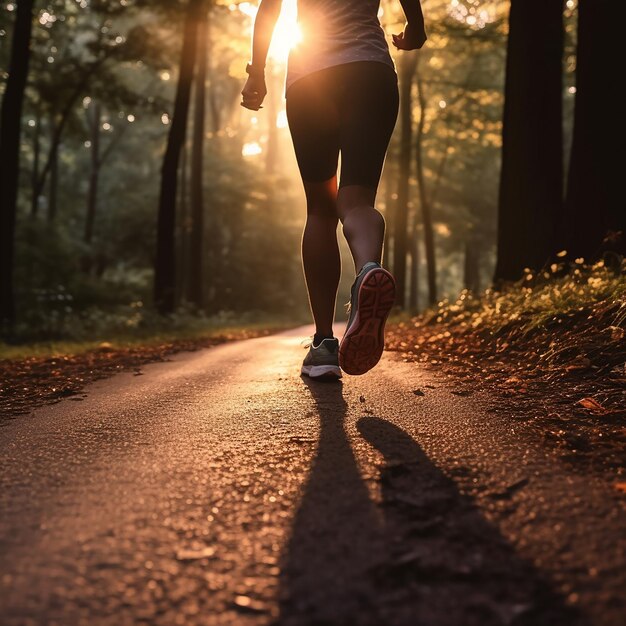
[133,185]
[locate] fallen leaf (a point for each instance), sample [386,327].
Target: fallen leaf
[592,405]
[418,392]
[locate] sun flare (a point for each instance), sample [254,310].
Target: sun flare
[287,33]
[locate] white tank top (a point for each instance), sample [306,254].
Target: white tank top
[335,32]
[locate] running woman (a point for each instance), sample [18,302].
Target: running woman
[342,98]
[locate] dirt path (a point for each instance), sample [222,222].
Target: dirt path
[220,488]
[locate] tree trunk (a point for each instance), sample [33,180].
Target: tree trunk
[214,105]
[10,132]
[531,180]
[183,230]
[94,119]
[215,111]
[414,267]
[165,262]
[427,220]
[59,126]
[595,205]
[196,273]
[471,265]
[408,63]
[53,189]
[34,207]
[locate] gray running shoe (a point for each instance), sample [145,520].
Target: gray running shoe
[323,361]
[372,297]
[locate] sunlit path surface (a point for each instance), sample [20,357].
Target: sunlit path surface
[221,488]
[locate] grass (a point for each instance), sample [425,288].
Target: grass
[558,321]
[169,331]
[541,300]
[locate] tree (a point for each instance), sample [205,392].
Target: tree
[36,155]
[427,220]
[99,157]
[408,63]
[94,120]
[165,262]
[531,181]
[196,274]
[595,211]
[10,133]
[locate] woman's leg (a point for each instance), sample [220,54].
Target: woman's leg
[368,111]
[314,125]
[320,253]
[363,225]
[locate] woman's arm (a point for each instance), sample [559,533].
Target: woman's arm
[414,35]
[254,90]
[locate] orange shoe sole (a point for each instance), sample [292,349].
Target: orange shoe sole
[364,340]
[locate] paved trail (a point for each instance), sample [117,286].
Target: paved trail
[220,488]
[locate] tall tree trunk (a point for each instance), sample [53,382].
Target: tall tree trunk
[471,265]
[595,202]
[94,119]
[216,117]
[531,180]
[408,63]
[427,220]
[53,189]
[34,206]
[10,132]
[196,273]
[165,262]
[414,266]
[183,229]
[214,104]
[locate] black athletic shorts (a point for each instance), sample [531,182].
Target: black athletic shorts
[349,108]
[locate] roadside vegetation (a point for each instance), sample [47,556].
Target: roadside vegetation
[553,347]
[134,326]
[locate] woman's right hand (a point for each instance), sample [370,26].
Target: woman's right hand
[413,37]
[254,92]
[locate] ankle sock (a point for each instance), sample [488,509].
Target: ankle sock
[317,338]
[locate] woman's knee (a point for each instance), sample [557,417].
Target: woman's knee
[321,198]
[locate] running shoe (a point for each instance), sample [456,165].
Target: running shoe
[372,297]
[322,361]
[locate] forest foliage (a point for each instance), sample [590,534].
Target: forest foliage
[98,109]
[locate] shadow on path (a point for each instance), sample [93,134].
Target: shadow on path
[425,555]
